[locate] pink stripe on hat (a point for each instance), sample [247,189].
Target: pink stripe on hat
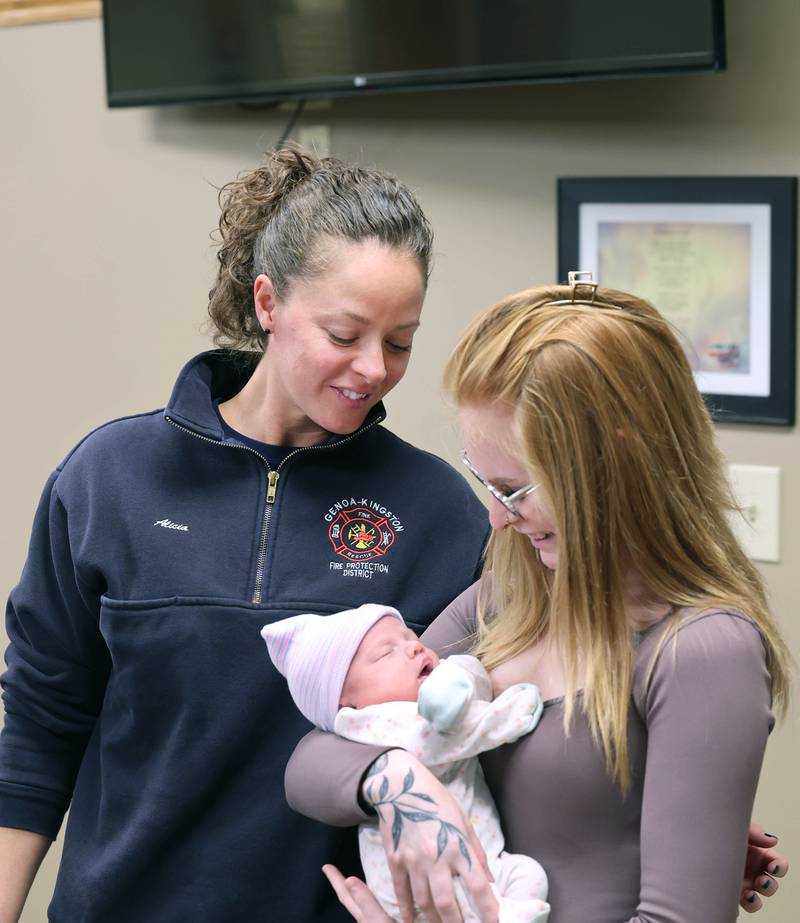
[314,653]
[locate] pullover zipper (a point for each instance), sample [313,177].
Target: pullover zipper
[273,474]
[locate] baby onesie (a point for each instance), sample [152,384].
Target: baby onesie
[454,720]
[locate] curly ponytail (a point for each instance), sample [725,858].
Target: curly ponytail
[247,203]
[274,219]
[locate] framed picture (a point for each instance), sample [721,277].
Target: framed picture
[23,12]
[716,255]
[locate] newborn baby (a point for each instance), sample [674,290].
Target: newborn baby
[363,674]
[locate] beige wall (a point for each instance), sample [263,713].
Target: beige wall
[106,260]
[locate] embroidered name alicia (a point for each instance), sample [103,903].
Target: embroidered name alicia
[169,524]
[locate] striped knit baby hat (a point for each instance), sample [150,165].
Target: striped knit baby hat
[314,653]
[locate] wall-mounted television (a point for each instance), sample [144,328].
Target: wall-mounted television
[201,51]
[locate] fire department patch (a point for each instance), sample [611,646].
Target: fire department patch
[359,534]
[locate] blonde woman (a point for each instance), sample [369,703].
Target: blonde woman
[613,581]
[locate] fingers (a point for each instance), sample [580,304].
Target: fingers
[750,902]
[339,885]
[763,865]
[477,879]
[432,850]
[774,864]
[369,909]
[433,894]
[483,898]
[442,904]
[449,895]
[476,847]
[403,892]
[779,867]
[766,885]
[356,897]
[757,837]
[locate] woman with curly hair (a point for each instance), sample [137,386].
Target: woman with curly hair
[136,691]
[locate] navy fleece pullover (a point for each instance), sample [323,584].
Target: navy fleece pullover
[138,691]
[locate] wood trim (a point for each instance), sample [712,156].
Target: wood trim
[22,12]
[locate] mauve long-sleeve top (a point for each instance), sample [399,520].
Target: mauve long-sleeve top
[673,849]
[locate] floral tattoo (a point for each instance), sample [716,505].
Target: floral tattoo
[404,811]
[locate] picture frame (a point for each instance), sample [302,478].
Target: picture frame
[717,256]
[25,12]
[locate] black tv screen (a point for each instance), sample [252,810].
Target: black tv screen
[181,51]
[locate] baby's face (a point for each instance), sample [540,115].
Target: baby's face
[389,666]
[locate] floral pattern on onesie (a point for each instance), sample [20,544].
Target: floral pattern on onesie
[454,721]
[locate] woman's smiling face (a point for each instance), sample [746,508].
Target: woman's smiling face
[341,340]
[488,435]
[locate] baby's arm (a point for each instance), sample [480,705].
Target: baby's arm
[486,725]
[447,693]
[483,726]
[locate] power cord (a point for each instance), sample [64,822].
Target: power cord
[290,124]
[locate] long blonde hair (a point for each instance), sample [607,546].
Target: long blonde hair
[609,420]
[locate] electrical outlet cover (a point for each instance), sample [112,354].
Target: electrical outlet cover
[757,489]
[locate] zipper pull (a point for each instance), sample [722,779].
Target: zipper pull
[272,485]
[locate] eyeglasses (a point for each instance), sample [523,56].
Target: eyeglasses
[508,500]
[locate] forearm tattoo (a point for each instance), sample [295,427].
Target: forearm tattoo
[406,811]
